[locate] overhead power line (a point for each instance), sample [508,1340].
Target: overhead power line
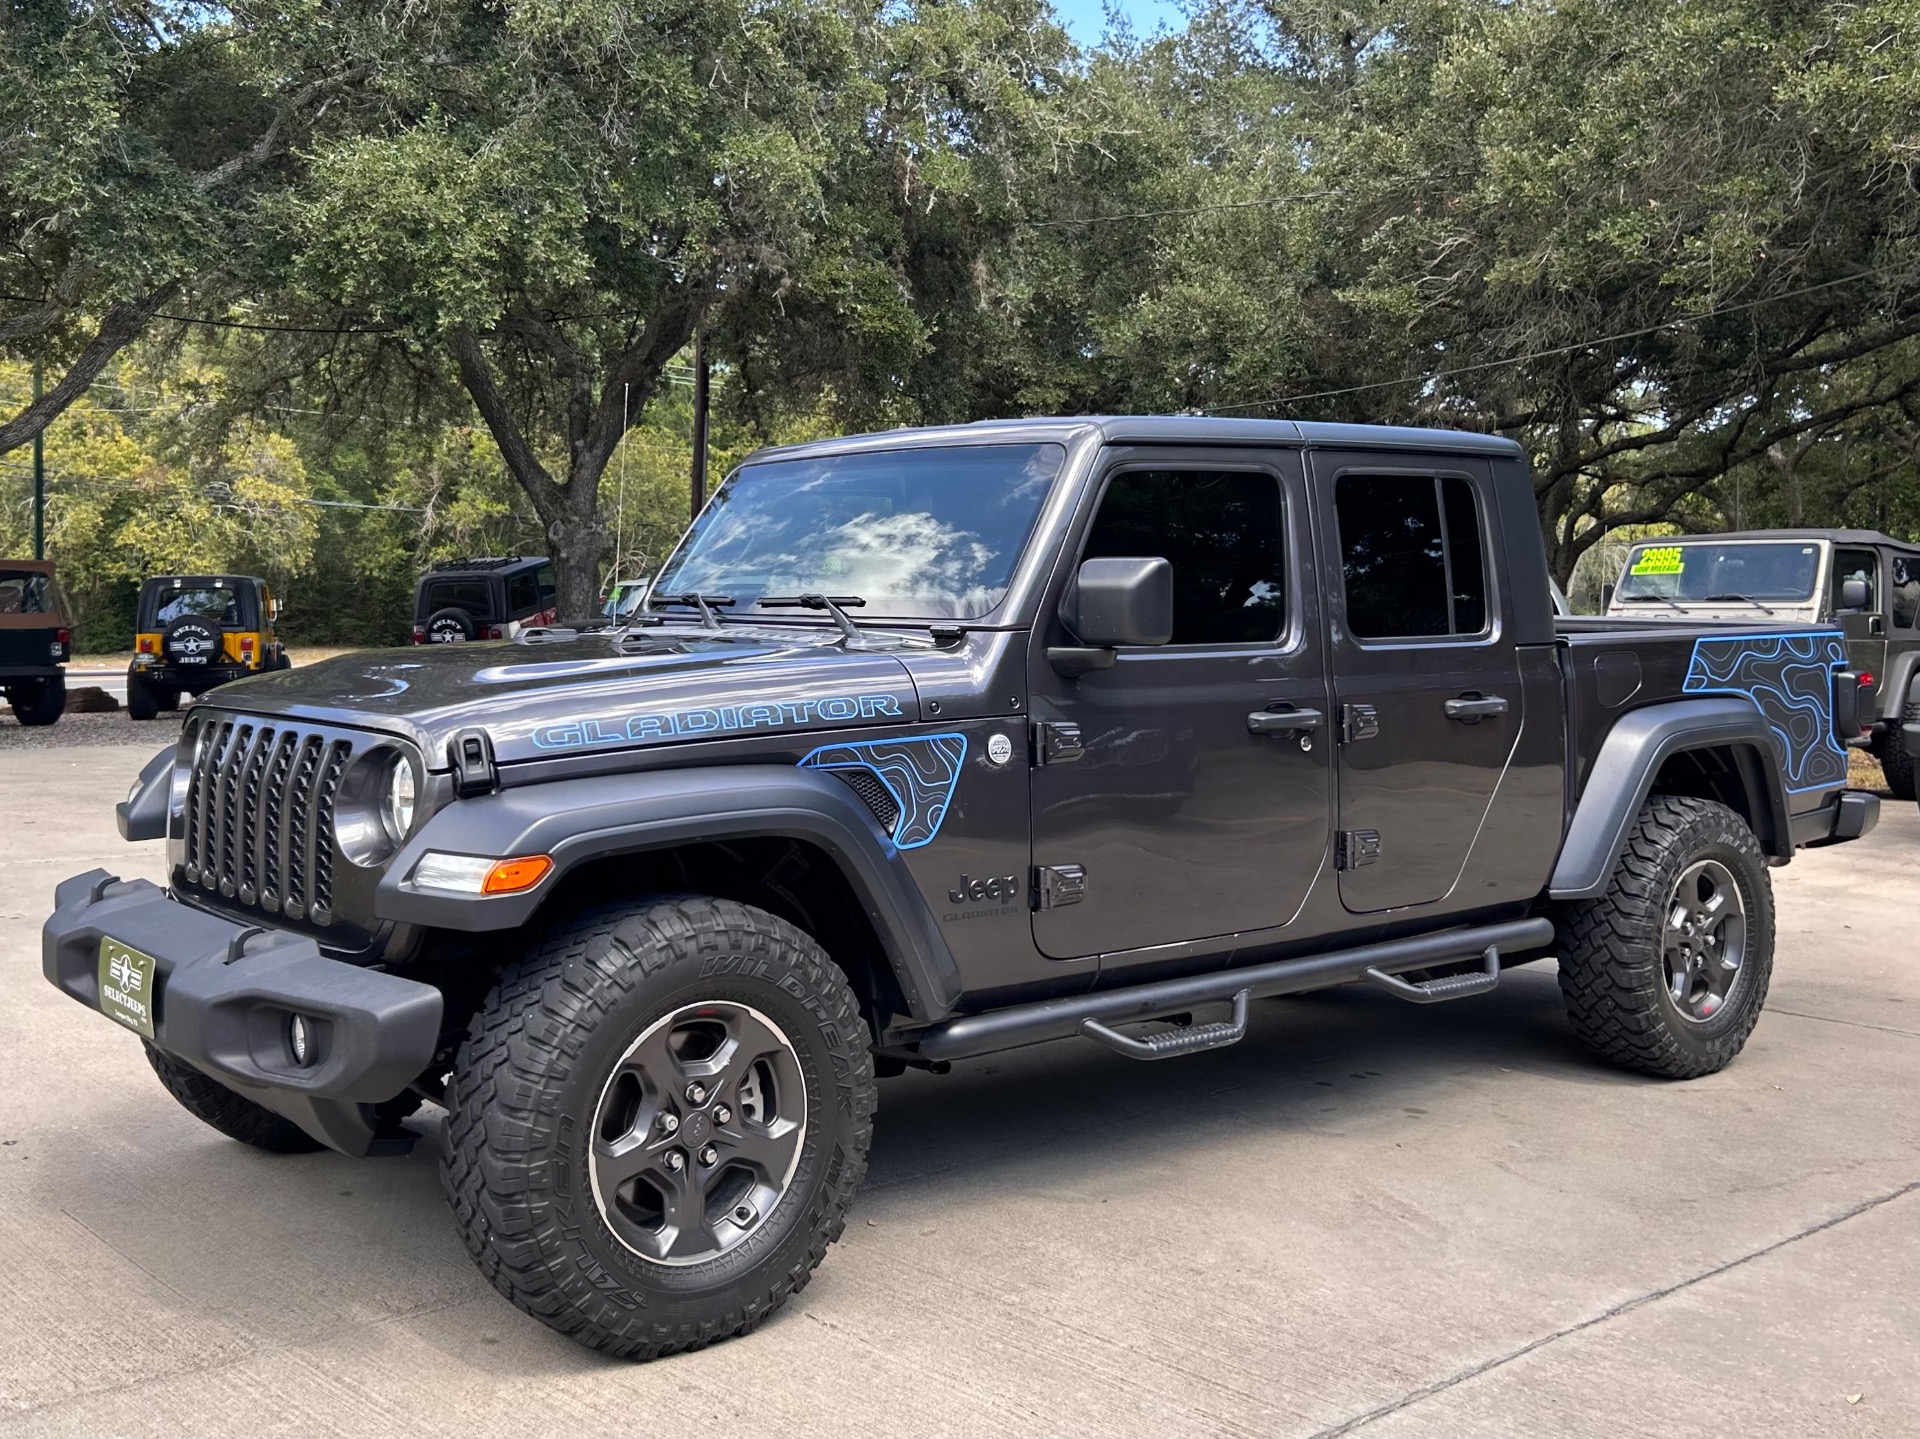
[1428,376]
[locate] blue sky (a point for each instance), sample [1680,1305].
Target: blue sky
[1086,19]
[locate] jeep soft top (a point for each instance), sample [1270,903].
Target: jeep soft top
[930,744]
[36,639]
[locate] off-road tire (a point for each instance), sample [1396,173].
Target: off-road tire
[143,699]
[524,1097]
[38,702]
[234,1115]
[1611,973]
[1895,763]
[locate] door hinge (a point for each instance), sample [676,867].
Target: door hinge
[1358,847]
[1358,722]
[1056,742]
[1057,885]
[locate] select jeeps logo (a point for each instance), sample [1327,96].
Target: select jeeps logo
[999,892]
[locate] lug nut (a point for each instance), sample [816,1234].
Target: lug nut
[696,1093]
[722,1115]
[709,1154]
[744,1215]
[669,1121]
[674,1160]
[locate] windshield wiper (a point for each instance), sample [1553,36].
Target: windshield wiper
[1648,600]
[1739,599]
[835,605]
[706,604]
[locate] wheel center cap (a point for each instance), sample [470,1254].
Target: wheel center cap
[697,1128]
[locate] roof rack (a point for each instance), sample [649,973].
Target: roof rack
[486,563]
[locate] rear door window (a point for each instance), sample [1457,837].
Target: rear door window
[1413,560]
[25,593]
[209,602]
[1906,592]
[523,596]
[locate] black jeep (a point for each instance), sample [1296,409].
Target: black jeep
[36,639]
[932,744]
[194,632]
[490,599]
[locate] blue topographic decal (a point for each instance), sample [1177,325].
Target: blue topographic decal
[920,773]
[1790,677]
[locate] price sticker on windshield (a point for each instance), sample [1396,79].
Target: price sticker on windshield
[1660,560]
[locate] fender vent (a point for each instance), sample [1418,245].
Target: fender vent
[874,795]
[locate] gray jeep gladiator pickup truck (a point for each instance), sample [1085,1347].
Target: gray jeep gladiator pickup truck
[931,744]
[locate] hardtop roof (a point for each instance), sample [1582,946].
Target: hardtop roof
[1155,429]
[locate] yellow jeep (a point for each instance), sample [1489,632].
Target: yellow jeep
[198,631]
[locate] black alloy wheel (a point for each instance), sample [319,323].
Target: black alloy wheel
[698,1132]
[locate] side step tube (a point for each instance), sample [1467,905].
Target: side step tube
[1452,986]
[1179,1041]
[1061,1018]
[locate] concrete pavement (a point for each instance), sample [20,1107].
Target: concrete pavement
[1368,1218]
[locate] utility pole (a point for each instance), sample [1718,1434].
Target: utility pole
[702,375]
[39,479]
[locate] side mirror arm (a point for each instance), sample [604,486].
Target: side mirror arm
[1072,661]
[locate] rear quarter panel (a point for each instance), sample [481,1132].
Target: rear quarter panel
[1615,666]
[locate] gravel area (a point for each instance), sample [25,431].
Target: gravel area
[75,731]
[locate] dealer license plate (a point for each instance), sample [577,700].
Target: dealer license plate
[128,979]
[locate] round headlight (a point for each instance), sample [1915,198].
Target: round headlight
[398,809]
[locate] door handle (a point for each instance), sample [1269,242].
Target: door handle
[1473,707]
[1284,721]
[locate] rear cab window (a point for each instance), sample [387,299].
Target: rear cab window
[218,603]
[26,592]
[472,595]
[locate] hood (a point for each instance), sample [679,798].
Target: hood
[1784,613]
[538,701]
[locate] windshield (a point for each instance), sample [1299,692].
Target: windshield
[917,534]
[214,602]
[1698,572]
[28,593]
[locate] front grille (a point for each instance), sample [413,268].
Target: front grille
[259,815]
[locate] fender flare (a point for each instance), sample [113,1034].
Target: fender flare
[1623,772]
[577,820]
[1897,688]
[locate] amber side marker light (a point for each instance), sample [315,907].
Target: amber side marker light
[480,874]
[510,876]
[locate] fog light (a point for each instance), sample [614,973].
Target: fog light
[301,1039]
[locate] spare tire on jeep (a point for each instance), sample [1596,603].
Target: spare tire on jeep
[450,626]
[192,641]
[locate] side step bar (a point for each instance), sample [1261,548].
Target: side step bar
[1452,986]
[1061,1018]
[1179,1041]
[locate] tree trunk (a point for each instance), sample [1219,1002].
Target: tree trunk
[578,541]
[121,325]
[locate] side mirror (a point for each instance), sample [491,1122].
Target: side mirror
[1115,602]
[1606,595]
[1853,594]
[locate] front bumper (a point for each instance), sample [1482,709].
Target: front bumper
[224,995]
